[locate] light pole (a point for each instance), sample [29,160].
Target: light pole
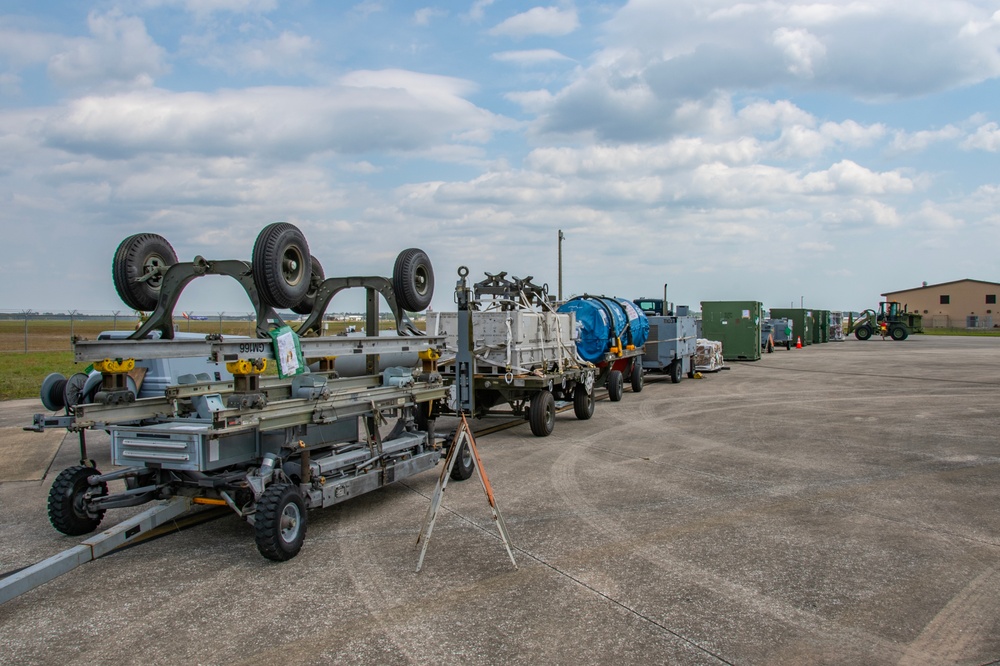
[116,313]
[72,317]
[561,237]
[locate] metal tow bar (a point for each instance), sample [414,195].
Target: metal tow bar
[91,549]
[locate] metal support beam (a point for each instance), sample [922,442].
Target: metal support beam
[91,549]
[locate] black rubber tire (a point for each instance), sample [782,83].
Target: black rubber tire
[692,370]
[863,333]
[305,306]
[616,385]
[281,265]
[280,522]
[542,414]
[898,333]
[465,465]
[676,371]
[66,510]
[413,280]
[635,377]
[136,256]
[583,402]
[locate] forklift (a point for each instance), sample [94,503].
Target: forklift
[892,320]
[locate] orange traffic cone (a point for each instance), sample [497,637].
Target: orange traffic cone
[798,342]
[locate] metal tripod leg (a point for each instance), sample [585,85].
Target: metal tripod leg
[463,436]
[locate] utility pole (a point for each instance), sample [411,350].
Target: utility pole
[561,237]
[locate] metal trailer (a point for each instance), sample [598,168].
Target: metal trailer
[616,365]
[269,448]
[506,345]
[782,331]
[622,359]
[672,343]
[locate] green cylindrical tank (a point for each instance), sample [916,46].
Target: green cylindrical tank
[736,324]
[803,322]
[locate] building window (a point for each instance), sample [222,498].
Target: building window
[945,299]
[991,299]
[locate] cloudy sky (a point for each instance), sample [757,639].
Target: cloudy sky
[775,150]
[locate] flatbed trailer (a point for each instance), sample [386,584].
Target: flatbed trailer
[269,448]
[506,346]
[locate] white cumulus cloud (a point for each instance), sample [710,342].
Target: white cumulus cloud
[549,21]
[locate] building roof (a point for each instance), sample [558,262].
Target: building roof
[940,284]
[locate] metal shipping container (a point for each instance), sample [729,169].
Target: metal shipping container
[736,324]
[802,322]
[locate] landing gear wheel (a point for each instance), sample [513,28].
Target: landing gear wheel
[676,371]
[583,402]
[316,277]
[898,333]
[68,510]
[465,464]
[413,280]
[636,376]
[135,257]
[280,524]
[863,333]
[281,265]
[542,414]
[615,384]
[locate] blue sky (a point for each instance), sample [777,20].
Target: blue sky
[775,151]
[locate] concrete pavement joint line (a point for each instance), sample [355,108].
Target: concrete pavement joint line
[884,377]
[579,582]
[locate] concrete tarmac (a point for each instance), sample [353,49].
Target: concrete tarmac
[832,505]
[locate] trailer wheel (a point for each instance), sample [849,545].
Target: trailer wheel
[636,376]
[135,257]
[316,277]
[280,525]
[676,371]
[898,333]
[465,464]
[413,280]
[68,512]
[542,414]
[691,369]
[281,265]
[615,384]
[863,333]
[583,402]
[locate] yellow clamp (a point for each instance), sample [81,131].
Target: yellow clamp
[112,366]
[247,367]
[429,355]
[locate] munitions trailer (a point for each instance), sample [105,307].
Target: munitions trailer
[268,447]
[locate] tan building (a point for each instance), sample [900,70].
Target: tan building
[957,304]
